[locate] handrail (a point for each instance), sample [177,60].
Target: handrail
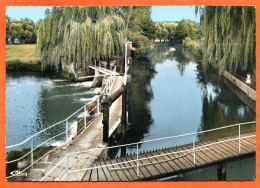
[150,157]
[106,90]
[146,141]
[62,121]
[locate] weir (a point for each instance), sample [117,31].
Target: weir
[94,128]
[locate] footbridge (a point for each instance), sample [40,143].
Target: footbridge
[163,162]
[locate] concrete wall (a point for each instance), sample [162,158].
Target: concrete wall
[251,93]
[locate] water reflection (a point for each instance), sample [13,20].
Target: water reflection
[140,95]
[170,95]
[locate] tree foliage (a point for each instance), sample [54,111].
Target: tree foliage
[165,30]
[187,28]
[22,31]
[80,35]
[141,29]
[229,36]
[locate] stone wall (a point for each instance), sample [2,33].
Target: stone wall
[251,93]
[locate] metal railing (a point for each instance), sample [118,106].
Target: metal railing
[193,150]
[68,126]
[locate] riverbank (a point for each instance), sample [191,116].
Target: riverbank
[243,86]
[22,57]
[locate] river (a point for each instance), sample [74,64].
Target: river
[35,102]
[169,95]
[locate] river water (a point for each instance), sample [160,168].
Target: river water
[169,95]
[35,102]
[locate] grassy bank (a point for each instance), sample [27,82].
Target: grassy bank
[24,52]
[22,57]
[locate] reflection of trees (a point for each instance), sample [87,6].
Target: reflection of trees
[158,55]
[224,108]
[140,95]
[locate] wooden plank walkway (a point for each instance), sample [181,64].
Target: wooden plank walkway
[170,163]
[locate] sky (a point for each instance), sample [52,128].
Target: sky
[159,13]
[173,13]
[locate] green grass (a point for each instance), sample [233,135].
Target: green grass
[25,53]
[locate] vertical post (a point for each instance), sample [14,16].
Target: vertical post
[66,130]
[105,110]
[137,162]
[239,137]
[98,106]
[85,116]
[194,147]
[67,164]
[31,144]
[124,81]
[123,120]
[221,171]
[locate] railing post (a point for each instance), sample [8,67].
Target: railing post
[239,137]
[137,162]
[67,165]
[31,144]
[194,148]
[98,106]
[85,116]
[66,130]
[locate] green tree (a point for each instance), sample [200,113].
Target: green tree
[229,36]
[23,31]
[7,29]
[79,35]
[141,29]
[187,28]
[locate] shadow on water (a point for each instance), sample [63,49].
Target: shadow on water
[220,106]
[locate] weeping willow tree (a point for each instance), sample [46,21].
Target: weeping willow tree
[229,37]
[80,35]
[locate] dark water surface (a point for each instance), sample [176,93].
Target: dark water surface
[171,95]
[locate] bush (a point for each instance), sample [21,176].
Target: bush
[67,76]
[140,42]
[194,47]
[197,53]
[17,65]
[14,154]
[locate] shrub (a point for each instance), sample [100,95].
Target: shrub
[140,42]
[14,154]
[38,152]
[197,53]
[67,75]
[17,65]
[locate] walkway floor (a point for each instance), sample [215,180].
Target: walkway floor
[170,161]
